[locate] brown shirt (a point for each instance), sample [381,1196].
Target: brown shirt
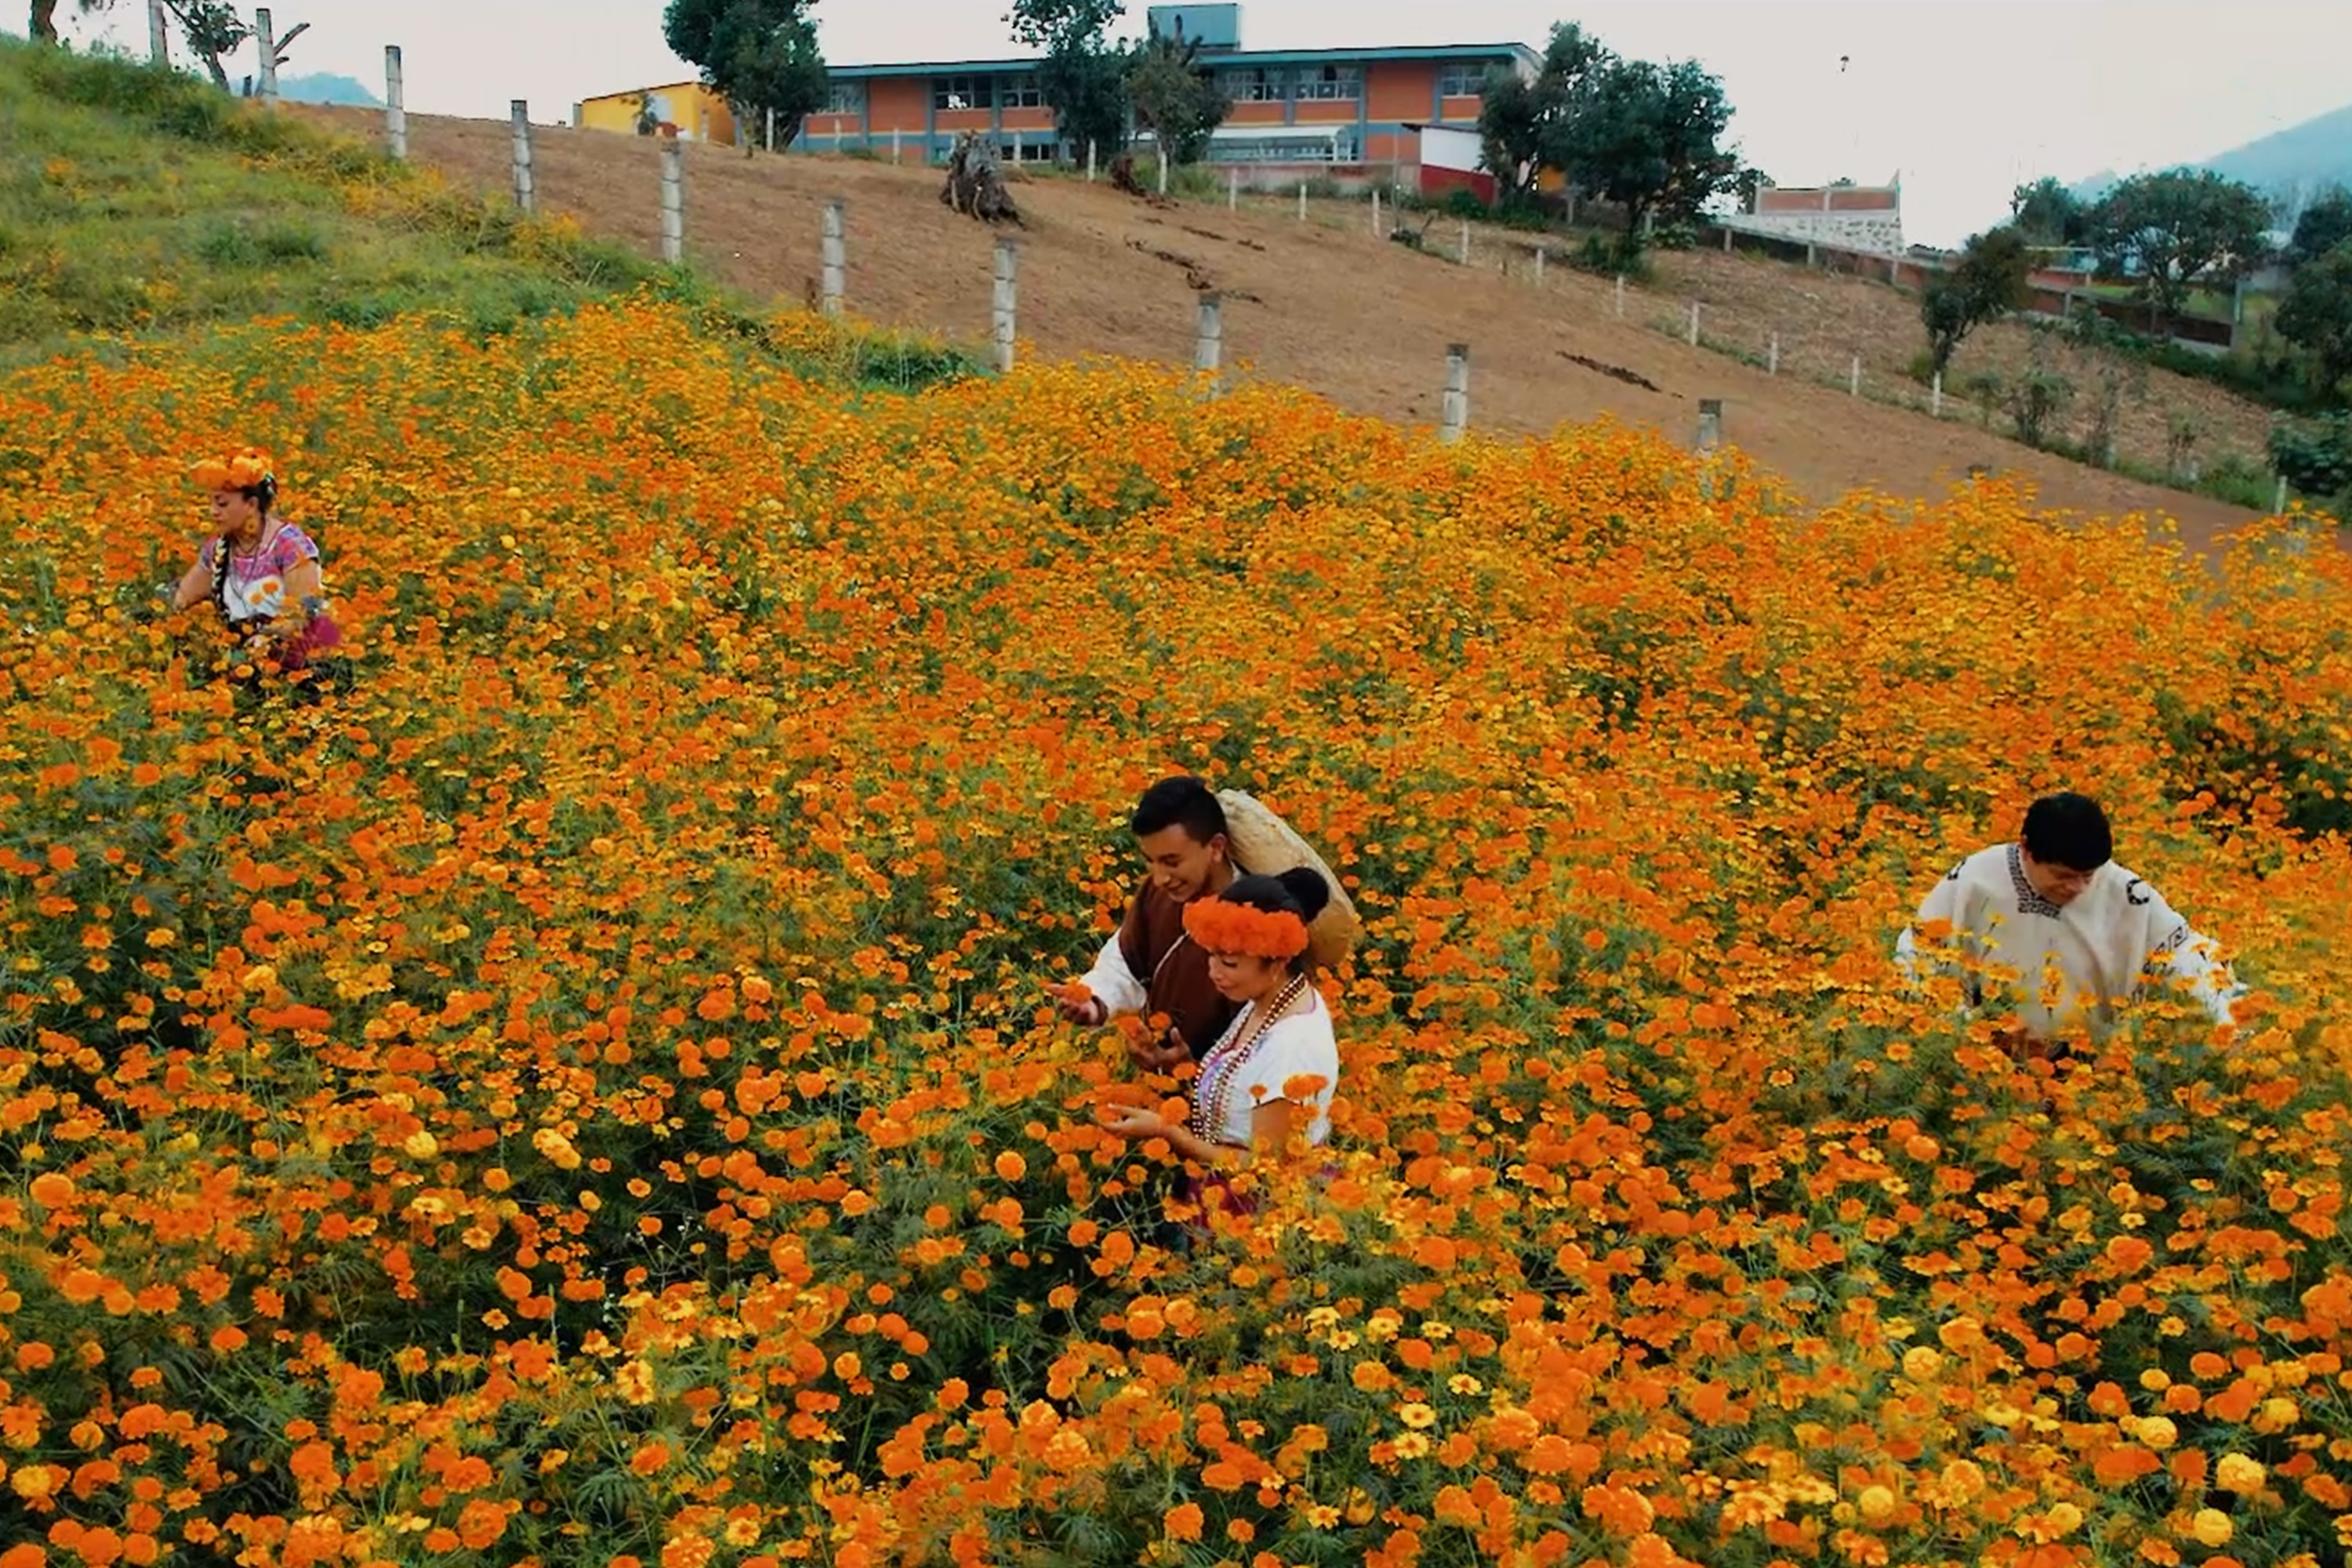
[1173,969]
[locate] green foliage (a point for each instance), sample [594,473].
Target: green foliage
[2046,213]
[1052,26]
[2315,455]
[761,55]
[2035,401]
[1175,97]
[1988,282]
[2169,233]
[211,28]
[2316,317]
[2323,226]
[142,201]
[1520,121]
[1649,138]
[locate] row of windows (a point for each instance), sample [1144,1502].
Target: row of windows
[1257,84]
[1341,149]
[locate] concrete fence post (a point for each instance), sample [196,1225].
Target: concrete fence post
[1540,264]
[1710,424]
[1007,284]
[1853,378]
[1209,336]
[1302,201]
[1232,190]
[395,109]
[1773,356]
[673,200]
[1620,296]
[526,194]
[1463,247]
[265,38]
[1090,160]
[1935,396]
[894,147]
[1160,156]
[835,259]
[159,35]
[1376,212]
[2278,504]
[1454,411]
[1693,334]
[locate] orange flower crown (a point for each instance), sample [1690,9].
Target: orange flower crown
[1229,927]
[243,470]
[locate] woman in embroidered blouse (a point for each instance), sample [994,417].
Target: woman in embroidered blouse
[1256,935]
[260,572]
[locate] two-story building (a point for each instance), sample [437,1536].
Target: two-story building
[1353,115]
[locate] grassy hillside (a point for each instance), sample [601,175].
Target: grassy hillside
[138,202]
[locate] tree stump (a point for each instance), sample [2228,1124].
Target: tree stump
[975,185]
[1122,177]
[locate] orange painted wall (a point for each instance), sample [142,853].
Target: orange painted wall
[1465,108]
[1256,114]
[954,120]
[899,103]
[1389,147]
[1397,89]
[827,125]
[1029,120]
[1326,112]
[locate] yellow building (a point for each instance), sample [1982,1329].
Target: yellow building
[684,109]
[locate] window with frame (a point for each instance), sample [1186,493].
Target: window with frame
[1344,83]
[845,98]
[962,92]
[1254,84]
[1019,92]
[1463,82]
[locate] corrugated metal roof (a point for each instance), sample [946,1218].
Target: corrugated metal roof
[1219,59]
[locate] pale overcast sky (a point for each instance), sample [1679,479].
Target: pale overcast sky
[1964,98]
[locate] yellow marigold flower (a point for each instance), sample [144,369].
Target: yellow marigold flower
[2236,1473]
[2156,1431]
[1876,1502]
[2211,1527]
[1921,1363]
[1417,1416]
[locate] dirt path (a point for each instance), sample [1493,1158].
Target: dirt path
[1362,321]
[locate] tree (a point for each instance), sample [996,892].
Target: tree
[1173,97]
[43,28]
[1986,284]
[1649,138]
[1082,76]
[2046,213]
[2316,316]
[761,56]
[1519,119]
[213,29]
[2325,225]
[2168,233]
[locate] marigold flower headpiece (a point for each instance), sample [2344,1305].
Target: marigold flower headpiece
[1222,926]
[244,471]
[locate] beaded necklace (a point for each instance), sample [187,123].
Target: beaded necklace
[1209,1106]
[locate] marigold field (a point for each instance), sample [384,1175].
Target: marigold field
[586,1095]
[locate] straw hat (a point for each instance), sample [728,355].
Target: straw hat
[1263,844]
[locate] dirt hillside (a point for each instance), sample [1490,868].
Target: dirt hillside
[1360,319]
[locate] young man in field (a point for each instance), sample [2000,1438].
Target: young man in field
[1150,965]
[2082,935]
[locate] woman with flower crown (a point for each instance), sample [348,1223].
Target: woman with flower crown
[260,572]
[1253,1094]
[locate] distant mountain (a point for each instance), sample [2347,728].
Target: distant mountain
[321,88]
[2291,165]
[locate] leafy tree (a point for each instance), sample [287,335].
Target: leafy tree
[1082,76]
[1649,138]
[761,56]
[1986,284]
[2046,213]
[213,29]
[2168,233]
[1174,97]
[2325,225]
[2316,316]
[1519,119]
[1749,185]
[43,27]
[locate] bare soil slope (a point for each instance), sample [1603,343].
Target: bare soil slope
[1360,320]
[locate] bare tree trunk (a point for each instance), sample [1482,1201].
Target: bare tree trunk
[44,28]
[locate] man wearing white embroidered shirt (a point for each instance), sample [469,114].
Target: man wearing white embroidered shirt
[2073,933]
